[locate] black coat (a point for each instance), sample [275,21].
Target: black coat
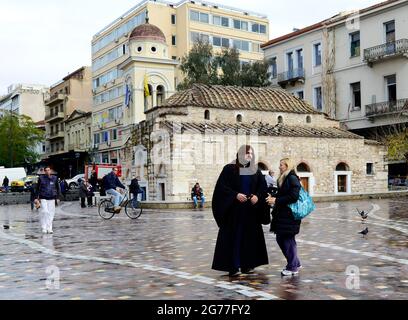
[283,221]
[235,218]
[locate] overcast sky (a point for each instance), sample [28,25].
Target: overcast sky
[42,41]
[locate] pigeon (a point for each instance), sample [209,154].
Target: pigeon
[6,227]
[362,214]
[364,232]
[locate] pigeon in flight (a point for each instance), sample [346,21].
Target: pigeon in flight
[364,232]
[362,214]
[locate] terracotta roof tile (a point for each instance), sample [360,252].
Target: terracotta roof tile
[263,130]
[239,98]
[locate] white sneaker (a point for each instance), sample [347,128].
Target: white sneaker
[287,273]
[44,231]
[50,231]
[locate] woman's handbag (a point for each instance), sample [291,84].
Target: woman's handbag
[304,206]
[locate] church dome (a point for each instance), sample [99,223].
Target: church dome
[147,32]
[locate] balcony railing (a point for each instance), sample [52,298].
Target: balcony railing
[54,116]
[56,135]
[291,76]
[55,98]
[387,107]
[386,50]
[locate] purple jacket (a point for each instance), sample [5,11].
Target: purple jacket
[48,188]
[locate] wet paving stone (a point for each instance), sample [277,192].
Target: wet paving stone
[168,255]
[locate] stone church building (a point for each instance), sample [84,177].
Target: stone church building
[174,140]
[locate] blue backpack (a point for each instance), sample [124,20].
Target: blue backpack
[304,206]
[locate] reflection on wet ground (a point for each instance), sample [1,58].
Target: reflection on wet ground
[168,255]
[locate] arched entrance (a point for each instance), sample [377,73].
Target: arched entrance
[306,177]
[342,178]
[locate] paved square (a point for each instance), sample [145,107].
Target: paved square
[168,255]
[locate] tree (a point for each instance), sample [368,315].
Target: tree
[398,146]
[201,66]
[198,66]
[18,140]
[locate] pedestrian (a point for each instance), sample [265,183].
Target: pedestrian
[63,187]
[111,184]
[85,191]
[283,223]
[197,194]
[48,191]
[6,184]
[93,180]
[238,212]
[32,187]
[134,189]
[271,182]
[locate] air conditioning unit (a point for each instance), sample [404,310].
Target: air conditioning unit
[116,40]
[105,85]
[113,81]
[126,34]
[93,91]
[108,143]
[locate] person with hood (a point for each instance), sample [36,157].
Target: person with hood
[283,223]
[240,211]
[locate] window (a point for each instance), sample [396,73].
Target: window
[355,44]
[262,28]
[342,167]
[97,139]
[225,22]
[237,24]
[389,31]
[318,103]
[308,119]
[216,41]
[173,40]
[356,95]
[239,118]
[207,115]
[300,94]
[244,25]
[241,45]
[160,95]
[299,57]
[280,119]
[391,88]
[105,136]
[114,134]
[255,27]
[217,20]
[194,15]
[204,17]
[196,37]
[317,53]
[225,43]
[173,19]
[273,68]
[289,59]
[369,169]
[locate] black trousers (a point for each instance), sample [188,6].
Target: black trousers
[89,200]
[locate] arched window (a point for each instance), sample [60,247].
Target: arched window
[308,119]
[239,118]
[148,101]
[207,115]
[342,167]
[303,167]
[160,95]
[263,166]
[280,119]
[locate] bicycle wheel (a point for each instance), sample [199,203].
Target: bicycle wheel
[133,212]
[105,209]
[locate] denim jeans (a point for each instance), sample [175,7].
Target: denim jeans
[117,197]
[196,201]
[135,200]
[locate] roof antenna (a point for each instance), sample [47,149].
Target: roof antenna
[147,16]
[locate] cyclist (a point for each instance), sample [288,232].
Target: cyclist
[111,183]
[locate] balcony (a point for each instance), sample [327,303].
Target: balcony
[386,51]
[55,98]
[55,117]
[386,108]
[56,135]
[291,77]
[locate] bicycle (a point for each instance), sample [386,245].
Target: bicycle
[106,208]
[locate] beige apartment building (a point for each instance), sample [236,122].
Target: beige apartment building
[182,24]
[25,99]
[73,92]
[353,66]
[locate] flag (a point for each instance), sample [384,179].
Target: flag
[128,96]
[146,87]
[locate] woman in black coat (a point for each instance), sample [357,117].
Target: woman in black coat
[239,212]
[283,223]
